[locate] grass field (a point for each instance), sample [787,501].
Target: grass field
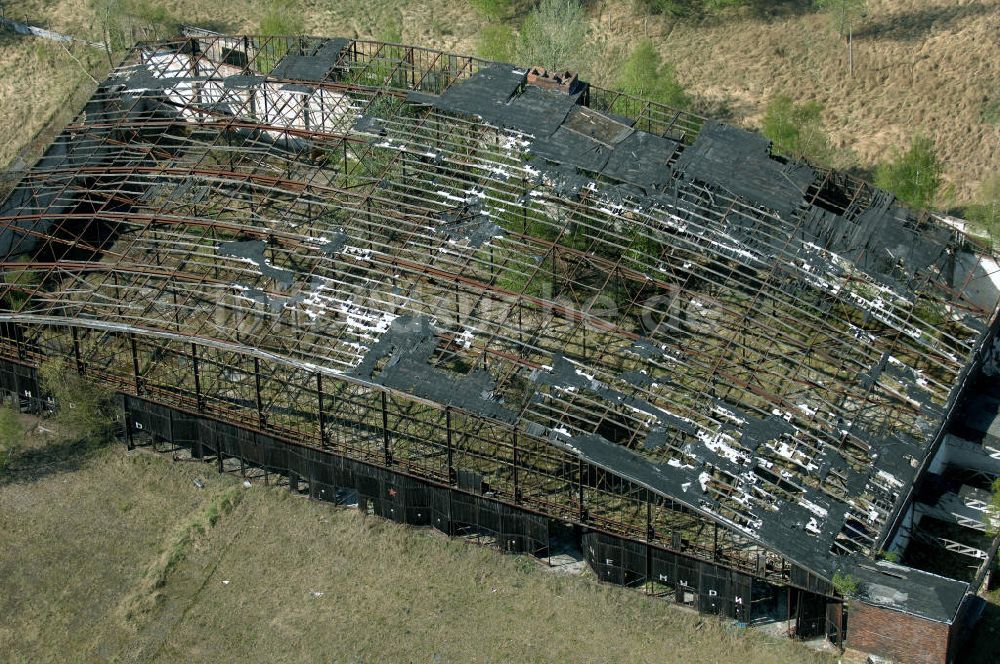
[928,66]
[41,88]
[115,556]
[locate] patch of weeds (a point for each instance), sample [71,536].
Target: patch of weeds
[845,584]
[990,111]
[11,433]
[147,594]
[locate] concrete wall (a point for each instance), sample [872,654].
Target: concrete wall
[898,636]
[978,278]
[957,451]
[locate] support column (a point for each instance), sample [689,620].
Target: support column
[514,461]
[260,402]
[385,429]
[76,350]
[451,467]
[322,416]
[129,443]
[649,537]
[135,364]
[199,401]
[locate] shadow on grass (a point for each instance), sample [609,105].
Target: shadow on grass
[36,463]
[763,10]
[914,25]
[221,26]
[779,8]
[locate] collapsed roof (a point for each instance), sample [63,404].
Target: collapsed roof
[773,345]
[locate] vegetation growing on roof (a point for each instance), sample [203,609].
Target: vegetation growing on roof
[890,556]
[24,281]
[737,317]
[846,585]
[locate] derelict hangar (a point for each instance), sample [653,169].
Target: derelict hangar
[499,301]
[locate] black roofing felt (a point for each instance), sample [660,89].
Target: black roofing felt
[564,132]
[331,49]
[908,590]
[313,67]
[597,126]
[483,94]
[301,68]
[577,144]
[409,343]
[724,156]
[253,251]
[567,146]
[243,80]
[740,161]
[643,160]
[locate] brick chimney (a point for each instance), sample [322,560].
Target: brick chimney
[561,81]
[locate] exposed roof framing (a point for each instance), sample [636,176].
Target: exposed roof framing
[770,344]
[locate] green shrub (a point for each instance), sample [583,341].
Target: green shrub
[843,13]
[391,27]
[84,409]
[496,41]
[645,75]
[11,435]
[681,8]
[492,9]
[796,129]
[986,212]
[554,36]
[992,516]
[845,584]
[990,110]
[23,280]
[281,18]
[669,7]
[913,176]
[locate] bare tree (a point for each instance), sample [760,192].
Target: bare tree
[844,14]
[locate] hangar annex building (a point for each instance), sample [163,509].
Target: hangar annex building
[504,302]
